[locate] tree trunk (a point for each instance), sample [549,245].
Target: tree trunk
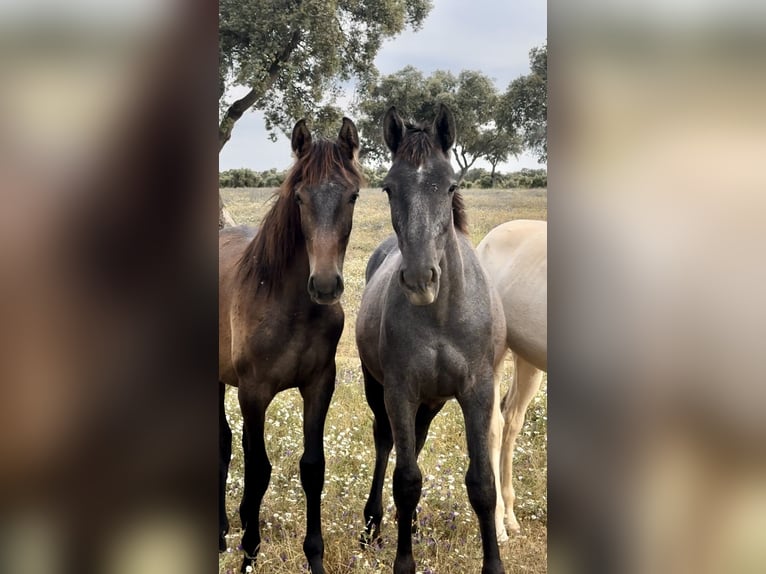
[492,175]
[239,107]
[235,112]
[231,116]
[465,164]
[224,217]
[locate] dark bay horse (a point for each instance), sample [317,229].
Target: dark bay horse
[280,321]
[430,328]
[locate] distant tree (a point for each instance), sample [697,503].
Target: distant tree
[406,89]
[241,177]
[474,174]
[471,95]
[500,144]
[524,109]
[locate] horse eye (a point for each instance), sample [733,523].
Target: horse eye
[453,188]
[298,199]
[354,197]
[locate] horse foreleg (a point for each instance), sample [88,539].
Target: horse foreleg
[477,408]
[423,419]
[224,448]
[381,430]
[408,480]
[316,401]
[257,472]
[524,385]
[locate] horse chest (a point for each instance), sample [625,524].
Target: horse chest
[438,365]
[289,349]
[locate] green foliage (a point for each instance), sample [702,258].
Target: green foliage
[293,55]
[471,95]
[524,109]
[527,178]
[375,175]
[477,177]
[244,177]
[241,177]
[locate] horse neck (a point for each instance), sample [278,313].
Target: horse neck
[453,278]
[296,277]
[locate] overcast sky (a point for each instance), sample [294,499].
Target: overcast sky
[494,36]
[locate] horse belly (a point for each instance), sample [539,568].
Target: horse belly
[368,323]
[526,318]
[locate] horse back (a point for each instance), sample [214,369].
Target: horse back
[514,255]
[232,242]
[379,255]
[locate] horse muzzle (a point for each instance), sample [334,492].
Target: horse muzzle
[421,288]
[325,290]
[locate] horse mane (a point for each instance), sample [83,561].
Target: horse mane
[416,147]
[267,256]
[459,214]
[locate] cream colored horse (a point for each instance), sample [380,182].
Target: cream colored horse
[514,255]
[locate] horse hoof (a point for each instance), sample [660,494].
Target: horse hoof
[370,536]
[502,536]
[370,540]
[248,562]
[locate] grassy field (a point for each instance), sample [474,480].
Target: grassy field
[447,541]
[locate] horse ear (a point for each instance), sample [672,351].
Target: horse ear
[348,138]
[444,128]
[301,139]
[393,129]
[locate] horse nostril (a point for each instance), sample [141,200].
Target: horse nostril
[401,277]
[312,285]
[339,285]
[433,274]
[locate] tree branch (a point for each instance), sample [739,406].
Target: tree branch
[238,108]
[235,112]
[243,104]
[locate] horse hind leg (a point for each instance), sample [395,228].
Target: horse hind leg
[495,450]
[257,472]
[316,402]
[381,430]
[524,385]
[224,448]
[477,408]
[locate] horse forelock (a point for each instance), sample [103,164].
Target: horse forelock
[326,161]
[417,145]
[265,259]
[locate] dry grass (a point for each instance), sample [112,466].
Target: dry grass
[447,541]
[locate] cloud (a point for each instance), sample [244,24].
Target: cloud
[494,37]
